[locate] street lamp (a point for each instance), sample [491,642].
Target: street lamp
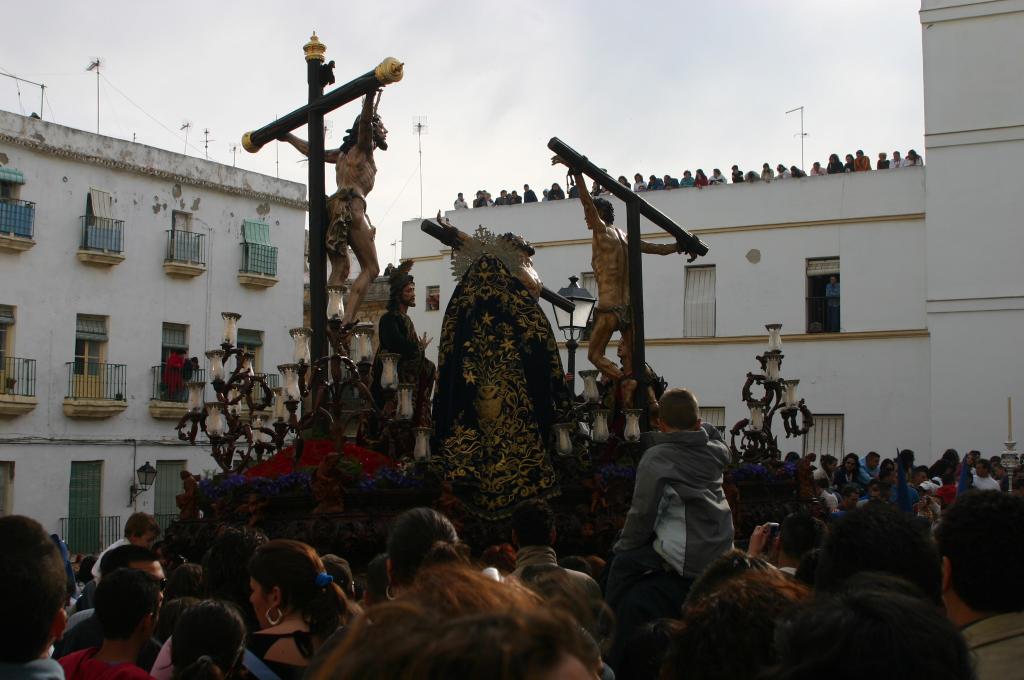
[146,476]
[572,323]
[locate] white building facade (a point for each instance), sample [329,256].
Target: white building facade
[114,256]
[919,351]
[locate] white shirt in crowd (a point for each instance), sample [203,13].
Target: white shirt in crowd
[830,500]
[115,544]
[986,484]
[639,186]
[897,163]
[785,174]
[460,204]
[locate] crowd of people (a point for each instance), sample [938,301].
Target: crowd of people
[857,162]
[899,580]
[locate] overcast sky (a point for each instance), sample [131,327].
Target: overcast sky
[639,87]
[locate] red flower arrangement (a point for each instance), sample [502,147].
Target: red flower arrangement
[313,452]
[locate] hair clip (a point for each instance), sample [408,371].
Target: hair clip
[323,579]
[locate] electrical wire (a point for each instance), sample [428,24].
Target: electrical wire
[153,118]
[400,192]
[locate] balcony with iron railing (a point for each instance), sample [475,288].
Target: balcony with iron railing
[102,241]
[90,535]
[17,385]
[259,265]
[170,390]
[185,254]
[95,389]
[17,225]
[823,315]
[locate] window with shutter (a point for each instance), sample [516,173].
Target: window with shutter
[168,486]
[83,530]
[90,343]
[6,334]
[252,341]
[174,337]
[699,302]
[713,415]
[6,485]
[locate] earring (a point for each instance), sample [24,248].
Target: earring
[387,592]
[274,620]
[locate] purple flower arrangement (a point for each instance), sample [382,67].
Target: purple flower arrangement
[610,471]
[238,485]
[401,477]
[755,472]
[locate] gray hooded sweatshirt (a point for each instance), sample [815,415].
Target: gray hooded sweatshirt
[678,505]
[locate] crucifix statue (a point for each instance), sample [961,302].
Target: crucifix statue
[355,174]
[616,259]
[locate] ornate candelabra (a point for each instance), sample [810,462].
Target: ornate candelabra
[757,442]
[334,389]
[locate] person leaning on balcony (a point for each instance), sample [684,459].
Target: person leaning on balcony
[912,159]
[460,202]
[835,166]
[862,163]
[897,160]
[716,177]
[883,162]
[816,169]
[687,180]
[849,166]
[767,174]
[701,180]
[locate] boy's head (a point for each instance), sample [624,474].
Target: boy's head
[127,602]
[33,588]
[679,410]
[141,529]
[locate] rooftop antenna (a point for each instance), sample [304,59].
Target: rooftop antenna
[206,142]
[186,126]
[94,65]
[234,152]
[394,244]
[42,90]
[801,134]
[419,128]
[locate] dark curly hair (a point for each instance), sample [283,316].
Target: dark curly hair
[605,210]
[352,135]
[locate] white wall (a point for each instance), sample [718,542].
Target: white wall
[49,286]
[974,119]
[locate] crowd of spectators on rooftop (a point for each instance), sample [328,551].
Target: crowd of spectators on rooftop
[857,162]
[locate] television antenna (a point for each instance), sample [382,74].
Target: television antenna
[206,142]
[801,134]
[94,65]
[186,126]
[420,128]
[234,153]
[394,244]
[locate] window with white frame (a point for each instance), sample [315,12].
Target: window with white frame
[713,415]
[826,437]
[699,302]
[90,344]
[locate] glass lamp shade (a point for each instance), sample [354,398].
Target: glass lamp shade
[234,408]
[404,411]
[631,432]
[195,396]
[773,361]
[335,302]
[774,336]
[216,424]
[230,335]
[790,396]
[146,475]
[362,347]
[290,381]
[599,432]
[591,393]
[756,418]
[300,338]
[216,357]
[579,317]
[421,450]
[563,440]
[389,371]
[279,411]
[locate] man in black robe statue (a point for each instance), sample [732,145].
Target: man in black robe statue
[397,335]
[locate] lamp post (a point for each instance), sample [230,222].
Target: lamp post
[145,476]
[572,323]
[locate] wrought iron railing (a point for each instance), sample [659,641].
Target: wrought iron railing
[823,315]
[184,246]
[90,535]
[18,377]
[171,383]
[17,218]
[102,233]
[95,380]
[259,259]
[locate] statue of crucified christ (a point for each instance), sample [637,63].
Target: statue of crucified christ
[609,258]
[348,225]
